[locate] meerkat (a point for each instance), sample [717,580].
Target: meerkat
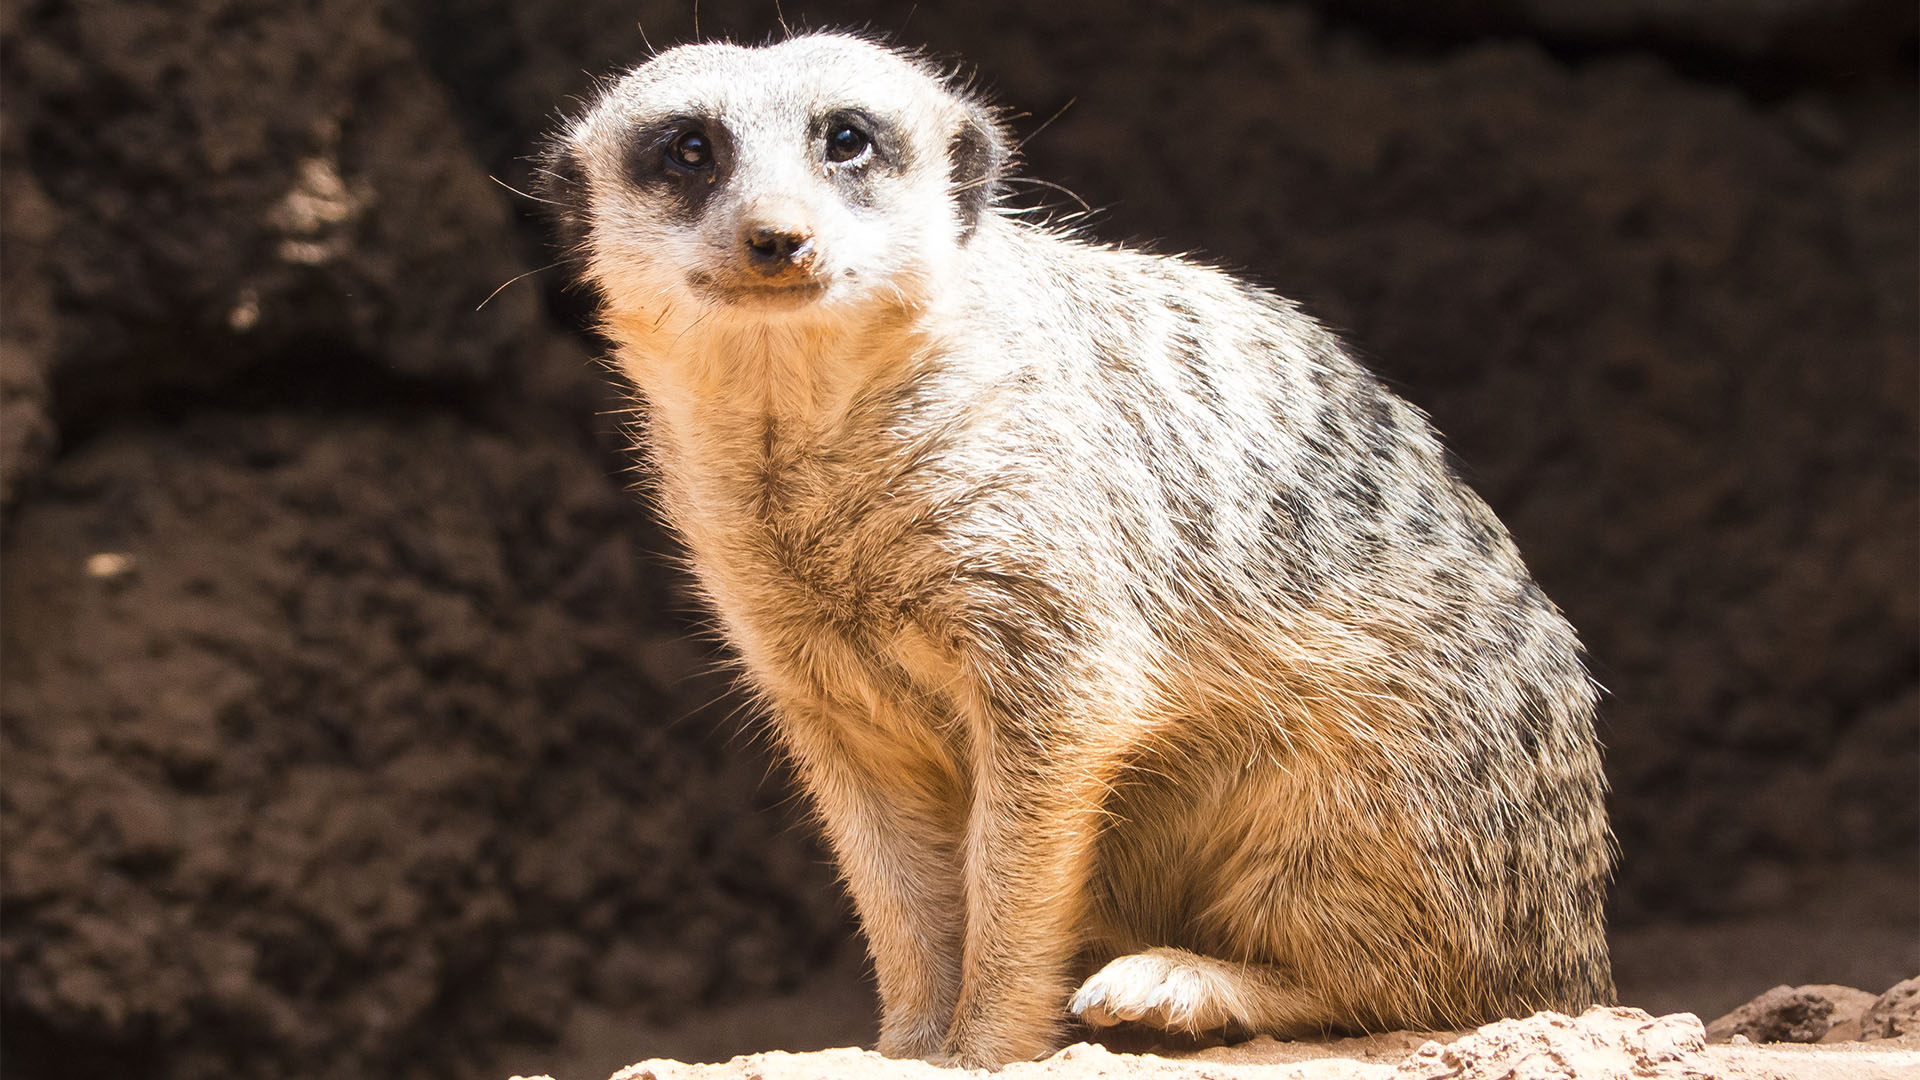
[1140,653]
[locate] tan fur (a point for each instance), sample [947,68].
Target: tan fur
[1125,634]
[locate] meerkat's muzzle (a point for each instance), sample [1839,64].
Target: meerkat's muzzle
[776,258]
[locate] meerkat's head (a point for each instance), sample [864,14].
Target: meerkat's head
[805,181]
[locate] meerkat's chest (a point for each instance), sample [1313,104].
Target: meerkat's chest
[831,564]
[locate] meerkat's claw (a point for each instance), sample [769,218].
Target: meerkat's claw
[1170,989]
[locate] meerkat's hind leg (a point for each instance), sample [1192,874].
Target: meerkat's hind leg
[1189,994]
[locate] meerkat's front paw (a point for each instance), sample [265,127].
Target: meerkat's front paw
[1170,989]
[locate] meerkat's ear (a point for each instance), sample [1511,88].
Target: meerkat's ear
[976,159]
[562,184]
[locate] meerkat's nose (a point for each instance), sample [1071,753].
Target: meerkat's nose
[772,248]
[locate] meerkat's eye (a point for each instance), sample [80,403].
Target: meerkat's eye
[846,142]
[691,150]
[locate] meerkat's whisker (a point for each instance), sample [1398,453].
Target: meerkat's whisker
[517,277]
[517,191]
[1044,124]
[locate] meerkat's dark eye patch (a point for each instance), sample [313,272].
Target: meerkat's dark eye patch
[681,160]
[677,149]
[853,137]
[861,153]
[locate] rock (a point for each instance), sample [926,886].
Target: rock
[336,729]
[1800,1014]
[265,191]
[1895,1013]
[27,333]
[1600,1042]
[1822,34]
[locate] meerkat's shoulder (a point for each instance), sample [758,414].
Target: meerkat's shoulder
[1081,269]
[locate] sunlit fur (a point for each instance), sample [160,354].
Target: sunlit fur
[1108,610]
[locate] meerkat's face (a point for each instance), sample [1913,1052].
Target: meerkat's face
[810,179]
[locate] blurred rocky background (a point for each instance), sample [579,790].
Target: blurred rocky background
[356,721]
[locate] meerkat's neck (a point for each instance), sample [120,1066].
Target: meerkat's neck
[732,408]
[799,372]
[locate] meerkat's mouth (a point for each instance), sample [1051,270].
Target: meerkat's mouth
[748,293]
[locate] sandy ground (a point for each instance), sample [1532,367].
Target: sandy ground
[1610,1043]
